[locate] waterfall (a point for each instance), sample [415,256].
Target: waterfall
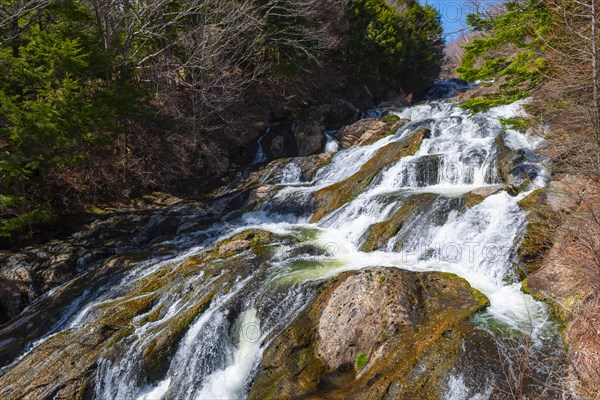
[221,348]
[331,145]
[260,156]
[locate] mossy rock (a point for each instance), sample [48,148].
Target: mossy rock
[427,336]
[158,353]
[35,321]
[378,234]
[476,196]
[471,199]
[64,365]
[389,118]
[538,239]
[338,194]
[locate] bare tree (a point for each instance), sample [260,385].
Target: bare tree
[12,13]
[572,51]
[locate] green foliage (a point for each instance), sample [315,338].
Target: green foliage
[508,51]
[383,336]
[39,214]
[361,361]
[398,40]
[73,73]
[513,123]
[56,103]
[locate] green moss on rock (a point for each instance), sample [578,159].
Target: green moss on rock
[427,338]
[540,232]
[62,366]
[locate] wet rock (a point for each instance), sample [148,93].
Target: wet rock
[379,234]
[305,250]
[297,204]
[158,353]
[516,167]
[447,88]
[307,166]
[476,196]
[66,364]
[395,103]
[427,170]
[157,226]
[336,195]
[338,114]
[28,273]
[394,322]
[277,148]
[310,135]
[368,131]
[49,309]
[309,127]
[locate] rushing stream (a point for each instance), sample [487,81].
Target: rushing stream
[221,349]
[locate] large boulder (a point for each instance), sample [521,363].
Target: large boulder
[370,334]
[309,126]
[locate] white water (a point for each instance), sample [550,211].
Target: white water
[476,244]
[260,156]
[222,348]
[331,145]
[291,174]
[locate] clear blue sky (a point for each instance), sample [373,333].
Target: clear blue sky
[454,12]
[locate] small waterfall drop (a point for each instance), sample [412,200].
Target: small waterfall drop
[331,145]
[261,156]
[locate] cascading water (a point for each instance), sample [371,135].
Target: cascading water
[260,157]
[331,145]
[222,347]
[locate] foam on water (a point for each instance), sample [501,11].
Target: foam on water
[220,351]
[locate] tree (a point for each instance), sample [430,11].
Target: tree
[399,40]
[510,51]
[55,103]
[574,54]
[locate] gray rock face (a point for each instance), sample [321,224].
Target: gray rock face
[309,134]
[562,195]
[25,276]
[517,167]
[30,272]
[351,135]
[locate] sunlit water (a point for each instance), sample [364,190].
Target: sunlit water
[222,348]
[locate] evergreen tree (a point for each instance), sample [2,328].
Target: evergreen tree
[398,40]
[509,51]
[57,100]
